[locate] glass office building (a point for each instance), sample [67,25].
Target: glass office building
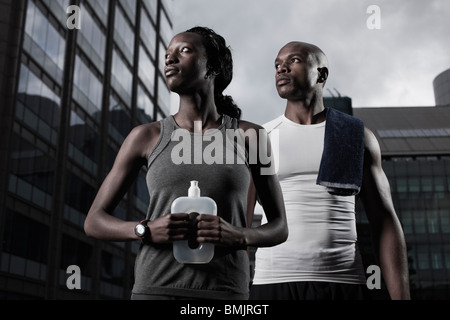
[71,93]
[415,146]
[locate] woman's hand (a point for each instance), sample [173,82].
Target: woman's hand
[214,229]
[170,227]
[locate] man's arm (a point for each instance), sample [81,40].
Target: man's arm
[387,234]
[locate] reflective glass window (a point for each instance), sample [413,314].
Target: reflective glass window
[144,106]
[87,88]
[423,258]
[38,105]
[119,119]
[146,70]
[32,168]
[101,9]
[43,42]
[79,194]
[148,33]
[122,79]
[92,39]
[130,8]
[419,221]
[163,96]
[84,143]
[165,28]
[152,8]
[124,35]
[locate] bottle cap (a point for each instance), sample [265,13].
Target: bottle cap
[194,190]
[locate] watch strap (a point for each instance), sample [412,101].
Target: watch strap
[146,238]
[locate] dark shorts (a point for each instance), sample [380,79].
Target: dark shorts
[310,290]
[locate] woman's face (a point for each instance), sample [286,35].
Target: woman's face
[185,62]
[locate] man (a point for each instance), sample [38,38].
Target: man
[325,158]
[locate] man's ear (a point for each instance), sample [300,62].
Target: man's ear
[323,75]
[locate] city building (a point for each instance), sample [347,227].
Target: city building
[415,148]
[76,76]
[73,83]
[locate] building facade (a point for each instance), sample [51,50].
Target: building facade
[415,147]
[76,76]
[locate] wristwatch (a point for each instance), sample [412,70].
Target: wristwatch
[143,231]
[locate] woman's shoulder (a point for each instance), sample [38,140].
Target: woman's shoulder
[144,136]
[145,131]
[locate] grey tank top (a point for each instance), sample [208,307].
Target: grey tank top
[172,164]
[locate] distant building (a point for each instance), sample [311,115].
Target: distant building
[441,85]
[69,98]
[343,104]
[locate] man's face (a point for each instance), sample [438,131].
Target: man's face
[296,72]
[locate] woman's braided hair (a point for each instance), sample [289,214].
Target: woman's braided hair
[220,65]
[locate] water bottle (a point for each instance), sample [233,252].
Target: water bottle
[190,251]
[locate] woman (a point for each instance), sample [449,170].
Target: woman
[198,67]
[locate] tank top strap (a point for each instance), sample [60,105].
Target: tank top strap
[168,125]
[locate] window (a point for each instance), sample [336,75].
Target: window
[119,119]
[92,39]
[422,256]
[165,28]
[87,88]
[433,221]
[445,220]
[124,35]
[121,78]
[38,105]
[146,70]
[148,33]
[144,106]
[78,199]
[163,96]
[84,143]
[43,42]
[419,221]
[32,172]
[152,7]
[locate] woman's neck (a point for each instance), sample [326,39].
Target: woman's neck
[196,111]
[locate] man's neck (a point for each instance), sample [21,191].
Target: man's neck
[302,113]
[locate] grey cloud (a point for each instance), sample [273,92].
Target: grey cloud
[393,66]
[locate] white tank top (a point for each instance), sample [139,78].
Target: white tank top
[322,230]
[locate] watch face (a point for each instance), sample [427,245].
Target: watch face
[140,230]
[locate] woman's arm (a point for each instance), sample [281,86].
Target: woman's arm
[266,185]
[100,223]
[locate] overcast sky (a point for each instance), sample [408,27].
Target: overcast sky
[391,66]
